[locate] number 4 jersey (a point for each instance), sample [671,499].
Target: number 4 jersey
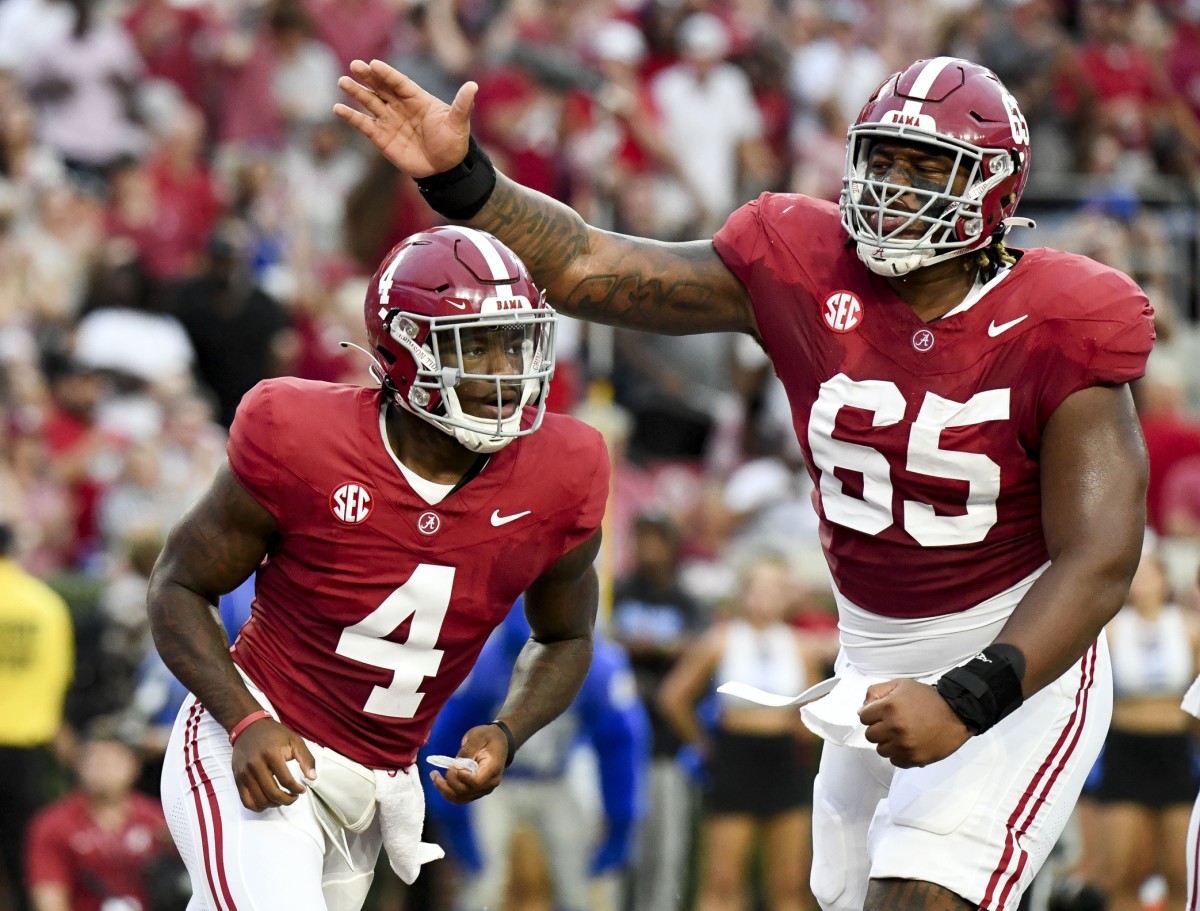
[373,605]
[922,439]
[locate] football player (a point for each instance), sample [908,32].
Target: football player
[964,412]
[390,529]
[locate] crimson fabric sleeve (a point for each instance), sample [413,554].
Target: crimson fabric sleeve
[252,450]
[1105,342]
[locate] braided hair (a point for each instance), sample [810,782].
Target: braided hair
[990,260]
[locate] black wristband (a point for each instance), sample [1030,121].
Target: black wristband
[463,190]
[986,688]
[508,736]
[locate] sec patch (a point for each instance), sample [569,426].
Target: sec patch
[843,311]
[350,503]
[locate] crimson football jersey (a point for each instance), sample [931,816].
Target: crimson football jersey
[921,438]
[373,605]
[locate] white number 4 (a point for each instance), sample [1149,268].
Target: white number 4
[873,513]
[425,597]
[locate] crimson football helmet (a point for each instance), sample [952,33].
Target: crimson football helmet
[436,304]
[959,109]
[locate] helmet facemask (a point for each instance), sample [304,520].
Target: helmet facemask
[953,221]
[450,354]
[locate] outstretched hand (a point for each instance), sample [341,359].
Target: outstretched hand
[260,765]
[415,131]
[910,723]
[489,748]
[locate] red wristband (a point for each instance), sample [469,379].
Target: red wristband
[245,723]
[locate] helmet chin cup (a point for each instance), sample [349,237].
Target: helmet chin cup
[893,264]
[887,264]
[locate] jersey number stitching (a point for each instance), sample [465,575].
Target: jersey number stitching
[873,513]
[425,597]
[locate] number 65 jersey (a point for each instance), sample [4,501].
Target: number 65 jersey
[372,606]
[922,439]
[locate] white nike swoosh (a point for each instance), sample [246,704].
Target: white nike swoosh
[994,330]
[499,520]
[457,304]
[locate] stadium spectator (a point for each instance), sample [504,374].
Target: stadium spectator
[903,332]
[83,83]
[1029,49]
[239,332]
[655,620]
[1148,777]
[85,455]
[96,848]
[1172,434]
[1135,101]
[832,66]
[353,28]
[322,170]
[748,745]
[302,66]
[42,518]
[612,130]
[169,204]
[709,117]
[28,165]
[585,855]
[36,667]
[177,43]
[1183,55]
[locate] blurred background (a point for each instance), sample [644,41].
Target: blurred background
[181,216]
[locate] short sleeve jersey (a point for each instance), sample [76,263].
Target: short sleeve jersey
[67,847]
[373,605]
[922,439]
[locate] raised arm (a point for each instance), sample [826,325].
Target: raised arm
[211,550]
[637,283]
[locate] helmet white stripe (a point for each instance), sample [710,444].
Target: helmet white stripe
[490,256]
[920,89]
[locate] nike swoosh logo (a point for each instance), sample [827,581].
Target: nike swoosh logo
[994,330]
[457,304]
[499,520]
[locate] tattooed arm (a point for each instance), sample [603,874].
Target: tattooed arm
[211,550]
[636,283]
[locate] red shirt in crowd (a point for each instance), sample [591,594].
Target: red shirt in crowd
[1169,440]
[66,846]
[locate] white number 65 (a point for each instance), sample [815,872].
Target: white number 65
[873,513]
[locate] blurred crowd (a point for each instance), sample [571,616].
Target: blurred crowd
[181,216]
